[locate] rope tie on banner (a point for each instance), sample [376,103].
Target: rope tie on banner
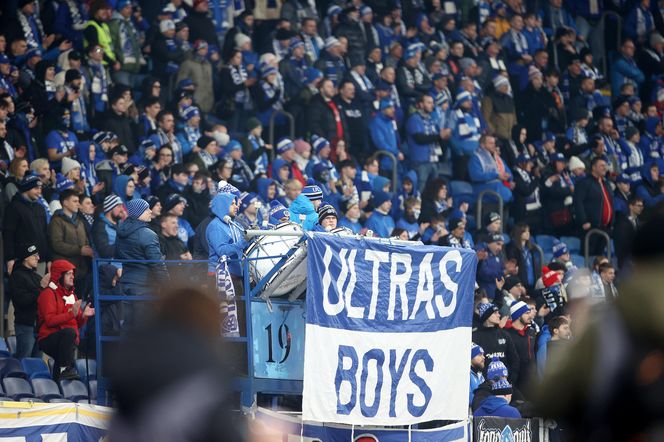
[409,435]
[302,431]
[352,432]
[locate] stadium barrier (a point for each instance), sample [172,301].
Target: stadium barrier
[480,202]
[291,133]
[586,244]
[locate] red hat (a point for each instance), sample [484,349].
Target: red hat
[549,277]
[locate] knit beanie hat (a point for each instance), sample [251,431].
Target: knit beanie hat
[284,145]
[68,165]
[28,182]
[501,388]
[510,282]
[549,277]
[225,187]
[136,208]
[517,309]
[500,80]
[26,250]
[533,72]
[475,350]
[247,199]
[111,202]
[559,248]
[278,211]
[485,309]
[62,183]
[379,197]
[203,141]
[190,112]
[313,192]
[575,163]
[325,211]
[496,370]
[319,143]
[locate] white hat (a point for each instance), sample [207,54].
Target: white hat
[166,25]
[241,40]
[68,165]
[575,163]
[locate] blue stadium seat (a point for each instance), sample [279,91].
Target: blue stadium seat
[578,260]
[74,390]
[46,389]
[548,257]
[460,188]
[17,388]
[36,368]
[545,242]
[573,243]
[506,238]
[83,373]
[11,344]
[12,368]
[4,350]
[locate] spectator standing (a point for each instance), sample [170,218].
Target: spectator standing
[465,135]
[60,315]
[476,369]
[625,70]
[126,44]
[424,138]
[495,341]
[25,223]
[199,70]
[487,170]
[522,250]
[593,204]
[524,336]
[25,284]
[625,229]
[105,226]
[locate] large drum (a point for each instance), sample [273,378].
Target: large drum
[266,251]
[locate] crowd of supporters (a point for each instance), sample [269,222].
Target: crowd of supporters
[151,130]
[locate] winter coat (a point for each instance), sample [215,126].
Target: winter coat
[25,223]
[197,206]
[121,125]
[423,137]
[500,114]
[648,190]
[104,236]
[524,343]
[172,247]
[53,314]
[200,72]
[352,30]
[384,136]
[588,201]
[497,407]
[320,118]
[303,213]
[488,270]
[24,289]
[224,238]
[381,224]
[136,241]
[67,236]
[497,343]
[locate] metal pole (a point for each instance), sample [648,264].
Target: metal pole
[480,199]
[586,243]
[2,285]
[391,156]
[291,122]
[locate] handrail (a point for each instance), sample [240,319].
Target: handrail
[391,156]
[586,243]
[480,197]
[619,21]
[291,120]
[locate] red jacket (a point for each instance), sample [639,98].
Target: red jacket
[52,313]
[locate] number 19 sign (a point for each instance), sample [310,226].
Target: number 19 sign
[278,340]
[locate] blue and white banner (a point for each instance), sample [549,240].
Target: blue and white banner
[388,332]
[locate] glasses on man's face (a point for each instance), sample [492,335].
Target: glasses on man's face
[158,86]
[166,155]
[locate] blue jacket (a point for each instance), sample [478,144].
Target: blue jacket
[224,239]
[488,270]
[120,188]
[303,213]
[540,355]
[497,407]
[384,136]
[630,27]
[625,71]
[356,227]
[647,189]
[476,379]
[381,224]
[419,126]
[136,241]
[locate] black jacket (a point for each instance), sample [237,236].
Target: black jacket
[198,206]
[623,236]
[534,107]
[524,343]
[589,202]
[320,118]
[24,289]
[497,343]
[100,238]
[121,125]
[172,247]
[352,30]
[355,126]
[24,224]
[201,27]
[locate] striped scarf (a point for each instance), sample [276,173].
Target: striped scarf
[32,29]
[227,306]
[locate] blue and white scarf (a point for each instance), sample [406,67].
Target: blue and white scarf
[227,305]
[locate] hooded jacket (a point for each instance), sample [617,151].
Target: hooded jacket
[497,407]
[104,236]
[67,236]
[120,188]
[648,190]
[524,343]
[224,239]
[136,241]
[303,213]
[54,313]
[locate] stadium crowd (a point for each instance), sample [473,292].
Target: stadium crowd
[146,131]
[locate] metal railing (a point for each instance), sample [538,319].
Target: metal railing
[480,202]
[291,133]
[605,52]
[390,155]
[586,244]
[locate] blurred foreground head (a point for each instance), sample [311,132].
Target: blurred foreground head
[168,378]
[609,386]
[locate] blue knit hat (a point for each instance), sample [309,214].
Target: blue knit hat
[312,74]
[225,187]
[496,370]
[475,350]
[485,309]
[136,208]
[557,156]
[501,388]
[268,70]
[517,309]
[623,178]
[410,54]
[462,97]
[295,43]
[313,192]
[319,144]
[29,182]
[380,197]
[190,112]
[232,146]
[62,183]
[278,211]
[524,158]
[364,10]
[559,248]
[284,145]
[386,103]
[246,199]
